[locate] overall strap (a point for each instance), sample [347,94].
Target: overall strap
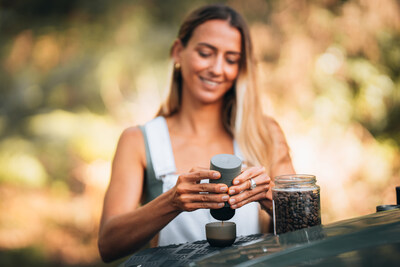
[159,157]
[160,147]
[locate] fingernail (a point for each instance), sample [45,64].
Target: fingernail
[234,206]
[223,189]
[236,182]
[231,191]
[225,197]
[221,204]
[232,200]
[215,174]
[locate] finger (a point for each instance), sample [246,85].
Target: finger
[200,175]
[247,174]
[193,188]
[256,197]
[216,198]
[191,206]
[198,168]
[260,180]
[248,194]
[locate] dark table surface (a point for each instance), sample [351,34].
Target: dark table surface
[371,240]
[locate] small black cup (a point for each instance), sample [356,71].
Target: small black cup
[221,234]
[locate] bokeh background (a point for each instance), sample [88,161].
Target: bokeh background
[74,74]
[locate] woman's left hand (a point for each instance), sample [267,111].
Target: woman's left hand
[241,192]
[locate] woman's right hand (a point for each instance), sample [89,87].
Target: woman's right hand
[189,194]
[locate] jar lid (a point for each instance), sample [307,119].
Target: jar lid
[225,163]
[387,207]
[295,178]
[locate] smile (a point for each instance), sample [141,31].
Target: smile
[211,83]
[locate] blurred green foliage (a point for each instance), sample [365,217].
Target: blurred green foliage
[72,73]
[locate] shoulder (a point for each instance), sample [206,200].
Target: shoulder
[131,142]
[132,135]
[278,139]
[135,136]
[271,122]
[274,129]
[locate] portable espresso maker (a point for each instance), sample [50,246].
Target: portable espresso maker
[221,234]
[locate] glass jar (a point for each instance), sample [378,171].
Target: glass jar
[296,202]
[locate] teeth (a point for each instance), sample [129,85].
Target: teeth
[210,82]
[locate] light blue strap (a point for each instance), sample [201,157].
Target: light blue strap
[160,147]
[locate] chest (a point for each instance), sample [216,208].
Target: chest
[197,152]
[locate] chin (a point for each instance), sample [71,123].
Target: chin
[210,98]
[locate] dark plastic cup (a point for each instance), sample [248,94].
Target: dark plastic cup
[221,234]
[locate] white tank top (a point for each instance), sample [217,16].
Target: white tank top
[189,226]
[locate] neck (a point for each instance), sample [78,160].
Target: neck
[196,119]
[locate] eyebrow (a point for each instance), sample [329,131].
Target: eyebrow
[215,49]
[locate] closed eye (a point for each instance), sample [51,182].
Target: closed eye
[204,54]
[232,62]
[233,59]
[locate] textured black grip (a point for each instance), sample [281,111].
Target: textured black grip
[223,214]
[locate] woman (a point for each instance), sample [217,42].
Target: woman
[156,187]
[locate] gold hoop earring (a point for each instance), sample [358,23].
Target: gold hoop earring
[177,66]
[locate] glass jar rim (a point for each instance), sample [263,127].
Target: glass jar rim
[293,178]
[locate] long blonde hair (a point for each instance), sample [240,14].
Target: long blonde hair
[242,112]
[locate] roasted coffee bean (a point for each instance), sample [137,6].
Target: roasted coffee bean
[296,210]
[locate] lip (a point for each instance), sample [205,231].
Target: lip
[210,82]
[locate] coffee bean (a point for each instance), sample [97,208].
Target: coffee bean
[296,210]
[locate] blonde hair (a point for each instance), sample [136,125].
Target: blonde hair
[242,112]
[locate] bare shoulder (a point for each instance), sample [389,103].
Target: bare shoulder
[131,142]
[126,183]
[271,122]
[132,135]
[275,129]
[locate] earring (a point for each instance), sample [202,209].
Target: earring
[177,66]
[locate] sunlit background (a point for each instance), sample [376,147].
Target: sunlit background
[74,74]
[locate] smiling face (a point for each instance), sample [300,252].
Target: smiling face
[210,61]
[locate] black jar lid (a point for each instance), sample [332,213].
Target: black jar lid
[225,163]
[387,207]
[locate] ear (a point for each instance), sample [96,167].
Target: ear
[176,50]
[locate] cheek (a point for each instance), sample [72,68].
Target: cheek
[196,63]
[232,73]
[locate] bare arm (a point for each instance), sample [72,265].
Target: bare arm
[281,160]
[125,227]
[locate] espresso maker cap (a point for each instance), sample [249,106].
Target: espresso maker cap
[226,163]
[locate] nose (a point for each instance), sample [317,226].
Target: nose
[217,66]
